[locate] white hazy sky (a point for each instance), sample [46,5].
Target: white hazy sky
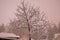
[50,7]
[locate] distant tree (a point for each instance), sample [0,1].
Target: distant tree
[31,18]
[55,28]
[14,28]
[50,32]
[59,27]
[2,29]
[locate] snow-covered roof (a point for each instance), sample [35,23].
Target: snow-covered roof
[8,35]
[56,35]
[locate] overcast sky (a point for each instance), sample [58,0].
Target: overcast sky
[50,7]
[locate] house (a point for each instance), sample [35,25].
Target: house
[8,36]
[57,37]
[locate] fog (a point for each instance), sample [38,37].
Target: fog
[50,7]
